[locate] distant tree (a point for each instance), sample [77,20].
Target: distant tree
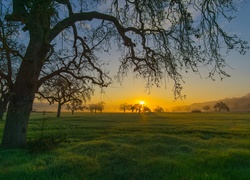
[207,108]
[137,108]
[96,107]
[75,105]
[92,108]
[132,108]
[196,111]
[146,109]
[158,109]
[124,106]
[63,90]
[100,106]
[221,106]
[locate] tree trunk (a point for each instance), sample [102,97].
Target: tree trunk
[20,106]
[59,107]
[25,87]
[15,130]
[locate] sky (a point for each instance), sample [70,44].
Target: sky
[196,88]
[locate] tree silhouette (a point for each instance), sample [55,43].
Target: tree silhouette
[221,106]
[158,109]
[63,90]
[137,108]
[96,107]
[132,108]
[75,105]
[146,109]
[124,106]
[156,38]
[207,108]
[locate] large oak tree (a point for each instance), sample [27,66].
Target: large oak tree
[157,38]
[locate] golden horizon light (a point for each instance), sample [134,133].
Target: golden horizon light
[141,102]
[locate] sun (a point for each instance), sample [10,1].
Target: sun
[141,102]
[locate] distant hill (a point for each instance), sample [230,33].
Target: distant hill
[240,104]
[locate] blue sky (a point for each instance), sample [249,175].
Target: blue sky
[196,88]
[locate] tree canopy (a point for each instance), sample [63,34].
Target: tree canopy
[156,38]
[63,90]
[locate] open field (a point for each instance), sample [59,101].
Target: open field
[135,146]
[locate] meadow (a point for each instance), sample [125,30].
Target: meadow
[132,146]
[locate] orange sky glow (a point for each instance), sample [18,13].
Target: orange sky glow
[197,87]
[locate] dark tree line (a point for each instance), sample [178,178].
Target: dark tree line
[218,107]
[156,38]
[138,108]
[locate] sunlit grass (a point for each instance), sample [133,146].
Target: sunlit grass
[136,146]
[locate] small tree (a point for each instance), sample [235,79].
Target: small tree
[137,108]
[124,107]
[100,106]
[63,90]
[96,107]
[221,106]
[207,108]
[146,109]
[158,109]
[132,108]
[75,105]
[92,108]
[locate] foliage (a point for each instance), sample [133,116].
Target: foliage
[96,107]
[63,90]
[125,106]
[221,106]
[207,108]
[158,109]
[75,105]
[134,108]
[146,109]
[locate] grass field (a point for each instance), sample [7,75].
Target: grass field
[135,146]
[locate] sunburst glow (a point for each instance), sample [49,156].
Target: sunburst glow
[142,102]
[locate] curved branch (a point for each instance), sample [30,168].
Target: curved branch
[88,16]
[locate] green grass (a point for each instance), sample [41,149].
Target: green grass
[135,146]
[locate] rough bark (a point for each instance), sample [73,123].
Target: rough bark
[21,102]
